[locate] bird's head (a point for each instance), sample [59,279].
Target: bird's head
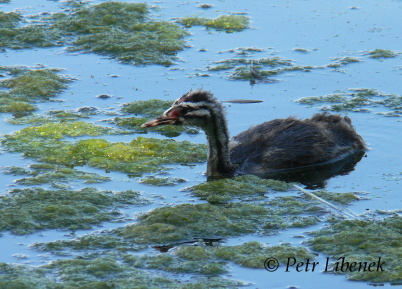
[197,108]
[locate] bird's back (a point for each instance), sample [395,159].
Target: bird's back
[291,143]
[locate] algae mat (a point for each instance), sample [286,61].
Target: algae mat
[97,201]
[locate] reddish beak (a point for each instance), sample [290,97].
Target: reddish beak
[161,120]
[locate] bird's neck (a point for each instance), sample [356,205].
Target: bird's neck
[219,164]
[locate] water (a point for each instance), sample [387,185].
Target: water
[327,29]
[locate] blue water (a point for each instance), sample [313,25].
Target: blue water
[327,29]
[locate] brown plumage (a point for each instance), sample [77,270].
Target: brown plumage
[280,145]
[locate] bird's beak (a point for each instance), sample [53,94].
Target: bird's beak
[161,120]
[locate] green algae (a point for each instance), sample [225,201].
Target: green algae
[52,116]
[245,51]
[67,115]
[338,198]
[205,6]
[119,30]
[225,190]
[134,125]
[227,23]
[27,86]
[24,277]
[53,174]
[204,260]
[256,68]
[76,273]
[245,73]
[267,61]
[253,254]
[155,181]
[183,222]
[382,53]
[15,35]
[302,50]
[100,272]
[343,61]
[54,131]
[364,241]
[8,105]
[188,221]
[94,241]
[25,210]
[171,263]
[150,109]
[210,260]
[250,254]
[140,155]
[358,100]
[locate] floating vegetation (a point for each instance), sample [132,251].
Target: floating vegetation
[204,260]
[141,155]
[302,50]
[7,105]
[251,254]
[269,61]
[187,223]
[239,187]
[338,198]
[382,53]
[186,259]
[93,241]
[59,130]
[342,61]
[98,272]
[182,222]
[227,23]
[360,99]
[53,174]
[134,125]
[185,263]
[245,51]
[364,241]
[27,86]
[15,35]
[150,109]
[119,30]
[25,210]
[253,69]
[53,116]
[9,20]
[205,6]
[155,181]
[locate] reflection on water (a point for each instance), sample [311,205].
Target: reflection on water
[315,176]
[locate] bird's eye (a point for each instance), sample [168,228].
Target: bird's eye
[186,110]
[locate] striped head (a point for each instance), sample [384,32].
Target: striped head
[197,108]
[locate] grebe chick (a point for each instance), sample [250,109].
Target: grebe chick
[278,145]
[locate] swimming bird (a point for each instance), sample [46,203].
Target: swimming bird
[276,147]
